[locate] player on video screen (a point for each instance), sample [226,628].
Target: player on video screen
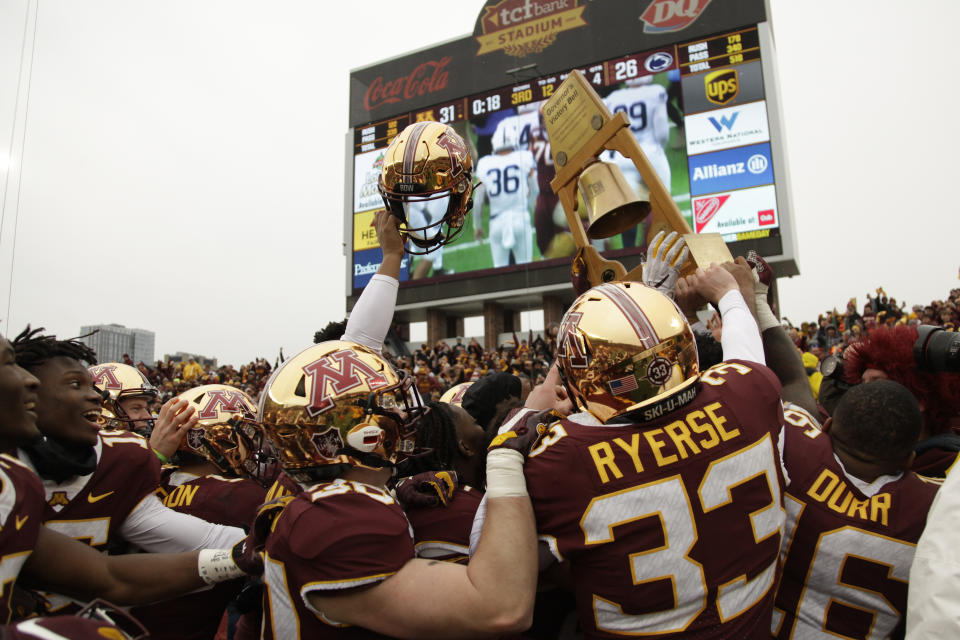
[645,104]
[548,217]
[509,178]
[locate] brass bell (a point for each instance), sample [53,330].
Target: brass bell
[612,204]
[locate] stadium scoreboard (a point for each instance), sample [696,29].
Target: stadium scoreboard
[713,62]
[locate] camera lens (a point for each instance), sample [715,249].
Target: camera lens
[936,349]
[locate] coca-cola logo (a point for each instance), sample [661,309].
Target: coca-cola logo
[663,16]
[705,208]
[428,77]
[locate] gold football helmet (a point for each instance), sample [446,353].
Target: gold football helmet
[454,395]
[339,403]
[428,161]
[117,381]
[227,433]
[624,347]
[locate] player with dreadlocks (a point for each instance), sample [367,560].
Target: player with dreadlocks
[42,558]
[99,484]
[440,490]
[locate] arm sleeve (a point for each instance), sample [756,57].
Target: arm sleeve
[932,611]
[741,338]
[157,529]
[371,317]
[477,527]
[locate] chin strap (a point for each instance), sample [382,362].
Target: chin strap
[58,461]
[365,458]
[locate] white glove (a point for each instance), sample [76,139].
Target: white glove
[664,261]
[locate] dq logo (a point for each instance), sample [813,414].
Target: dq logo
[229,401]
[104,376]
[455,147]
[341,371]
[567,344]
[663,16]
[722,86]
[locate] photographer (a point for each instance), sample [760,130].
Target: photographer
[888,354]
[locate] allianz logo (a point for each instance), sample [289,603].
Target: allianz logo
[756,164]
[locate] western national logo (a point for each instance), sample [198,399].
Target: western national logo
[521,27]
[724,122]
[722,86]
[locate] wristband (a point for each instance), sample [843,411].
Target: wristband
[765,318]
[164,459]
[505,474]
[217,565]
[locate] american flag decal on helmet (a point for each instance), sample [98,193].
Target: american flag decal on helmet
[634,315]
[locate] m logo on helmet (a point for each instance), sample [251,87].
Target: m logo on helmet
[456,148]
[567,344]
[229,401]
[104,376]
[338,373]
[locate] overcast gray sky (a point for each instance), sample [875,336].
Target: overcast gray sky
[182,161]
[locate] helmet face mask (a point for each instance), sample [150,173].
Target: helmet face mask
[339,403]
[623,347]
[428,161]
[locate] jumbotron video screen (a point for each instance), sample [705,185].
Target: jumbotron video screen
[698,110]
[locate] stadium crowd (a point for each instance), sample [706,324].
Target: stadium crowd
[632,472]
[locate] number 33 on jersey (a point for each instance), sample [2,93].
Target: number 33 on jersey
[672,526]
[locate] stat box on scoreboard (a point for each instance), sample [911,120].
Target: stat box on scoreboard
[698,87]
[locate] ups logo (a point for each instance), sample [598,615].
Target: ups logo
[722,86]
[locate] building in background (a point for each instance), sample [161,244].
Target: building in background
[112,341]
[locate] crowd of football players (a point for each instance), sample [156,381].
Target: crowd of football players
[658,477]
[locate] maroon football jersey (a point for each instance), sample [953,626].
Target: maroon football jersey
[228,501]
[443,533]
[21,515]
[57,627]
[333,537]
[92,508]
[934,462]
[672,526]
[847,552]
[284,485]
[232,502]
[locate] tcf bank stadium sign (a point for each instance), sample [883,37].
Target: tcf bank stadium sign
[521,27]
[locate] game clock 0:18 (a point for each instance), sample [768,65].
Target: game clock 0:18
[483,105]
